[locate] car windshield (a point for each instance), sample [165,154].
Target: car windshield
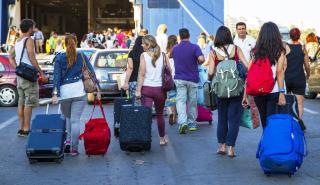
[116,59]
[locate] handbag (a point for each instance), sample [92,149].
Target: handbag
[24,70]
[167,80]
[97,135]
[88,79]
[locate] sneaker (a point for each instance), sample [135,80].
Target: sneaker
[20,133]
[67,147]
[24,133]
[74,152]
[183,128]
[192,126]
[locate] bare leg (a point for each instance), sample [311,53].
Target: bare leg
[27,118]
[21,116]
[300,105]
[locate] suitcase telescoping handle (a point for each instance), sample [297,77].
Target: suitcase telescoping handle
[48,105]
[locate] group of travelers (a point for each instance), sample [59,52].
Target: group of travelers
[108,39]
[289,62]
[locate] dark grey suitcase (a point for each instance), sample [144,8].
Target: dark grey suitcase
[46,138]
[135,128]
[118,102]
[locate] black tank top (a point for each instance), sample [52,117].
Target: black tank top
[295,61]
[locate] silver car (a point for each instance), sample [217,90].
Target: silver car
[108,66]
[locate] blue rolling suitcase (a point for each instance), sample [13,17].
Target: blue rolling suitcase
[46,138]
[282,146]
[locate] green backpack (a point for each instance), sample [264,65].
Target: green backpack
[227,82]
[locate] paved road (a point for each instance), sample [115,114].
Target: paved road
[187,160]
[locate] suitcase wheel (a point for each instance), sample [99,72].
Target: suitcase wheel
[268,174]
[147,147]
[289,175]
[32,161]
[210,122]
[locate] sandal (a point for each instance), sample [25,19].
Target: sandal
[163,141]
[222,151]
[231,153]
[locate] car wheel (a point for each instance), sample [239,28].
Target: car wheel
[310,95]
[8,96]
[91,98]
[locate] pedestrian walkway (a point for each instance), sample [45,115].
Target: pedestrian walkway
[187,160]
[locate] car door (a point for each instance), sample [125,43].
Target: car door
[3,72]
[314,80]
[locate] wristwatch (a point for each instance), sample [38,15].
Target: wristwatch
[282,90]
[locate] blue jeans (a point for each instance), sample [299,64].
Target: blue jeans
[186,92]
[229,115]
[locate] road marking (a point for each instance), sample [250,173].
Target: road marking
[8,122]
[310,111]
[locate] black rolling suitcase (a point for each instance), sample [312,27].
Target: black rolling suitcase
[46,138]
[117,110]
[135,128]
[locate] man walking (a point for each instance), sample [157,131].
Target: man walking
[28,91]
[186,58]
[38,38]
[244,41]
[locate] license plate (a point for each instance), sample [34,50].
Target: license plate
[115,76]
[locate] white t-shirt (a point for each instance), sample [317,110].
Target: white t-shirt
[18,47]
[171,62]
[245,45]
[162,41]
[153,75]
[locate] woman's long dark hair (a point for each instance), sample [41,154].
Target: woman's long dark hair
[223,37]
[269,43]
[137,49]
[172,41]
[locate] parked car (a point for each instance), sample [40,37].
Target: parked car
[108,65]
[313,84]
[8,91]
[8,84]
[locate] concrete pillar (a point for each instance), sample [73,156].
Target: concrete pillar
[90,15]
[16,14]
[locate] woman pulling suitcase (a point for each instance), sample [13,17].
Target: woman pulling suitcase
[149,87]
[69,86]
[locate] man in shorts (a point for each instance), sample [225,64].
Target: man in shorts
[24,51]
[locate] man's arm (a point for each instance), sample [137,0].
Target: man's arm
[201,59]
[12,57]
[199,55]
[32,56]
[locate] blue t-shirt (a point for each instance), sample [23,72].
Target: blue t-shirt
[185,56]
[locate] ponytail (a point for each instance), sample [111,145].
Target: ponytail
[156,55]
[71,50]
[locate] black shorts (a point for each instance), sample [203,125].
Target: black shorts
[297,87]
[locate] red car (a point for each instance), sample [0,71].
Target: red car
[8,84]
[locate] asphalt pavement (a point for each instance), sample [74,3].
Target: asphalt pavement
[187,160]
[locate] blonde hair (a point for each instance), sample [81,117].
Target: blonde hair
[153,47]
[162,28]
[71,50]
